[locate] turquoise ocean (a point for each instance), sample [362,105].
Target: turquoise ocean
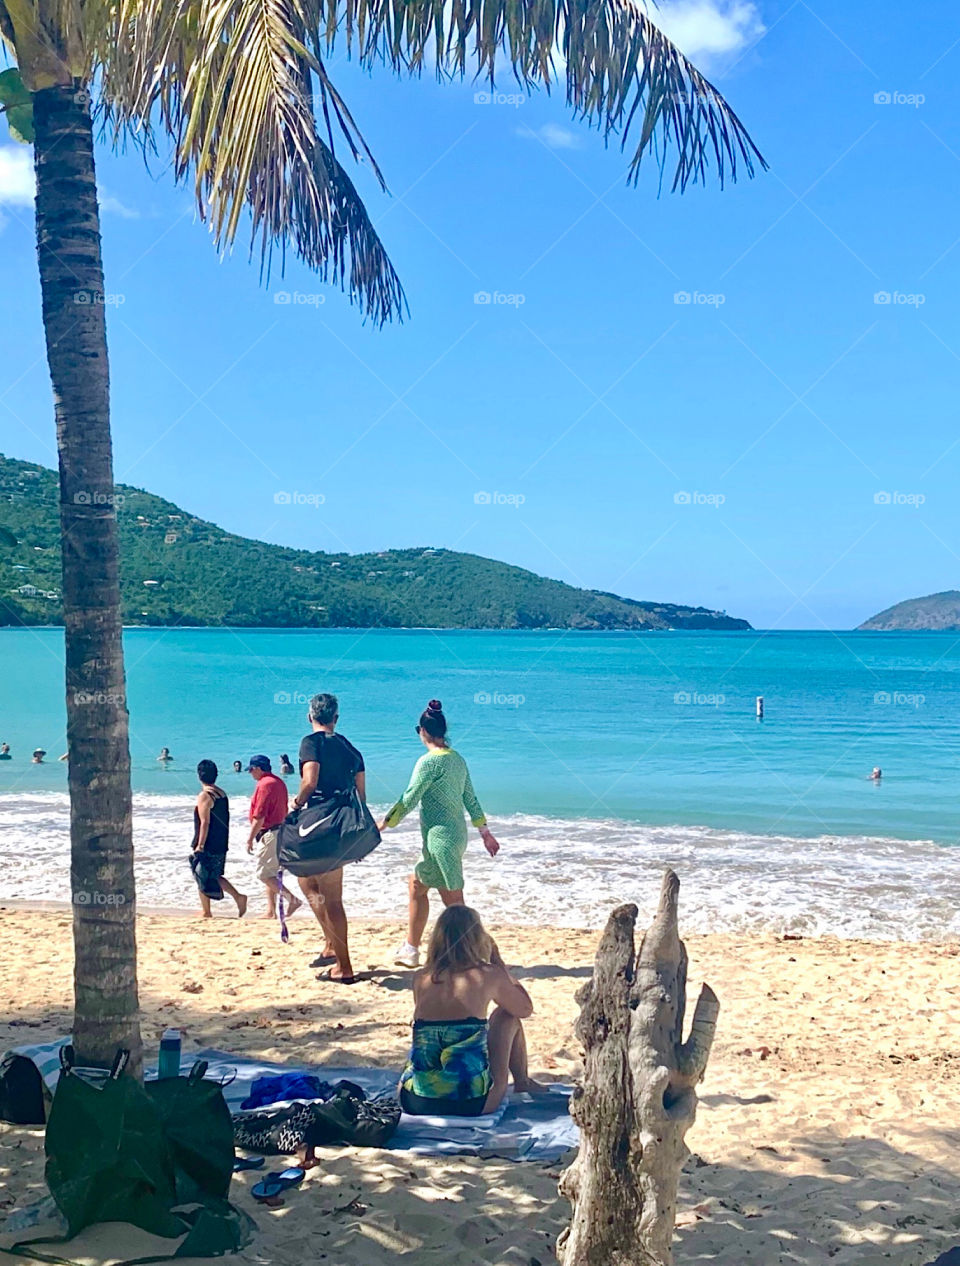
[598,757]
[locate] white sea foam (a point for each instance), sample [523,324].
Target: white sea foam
[553,871]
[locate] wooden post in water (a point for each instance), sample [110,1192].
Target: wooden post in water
[638,1097]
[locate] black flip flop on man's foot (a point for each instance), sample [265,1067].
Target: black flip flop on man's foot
[329,977]
[324,960]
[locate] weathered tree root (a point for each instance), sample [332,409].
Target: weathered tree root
[638,1097]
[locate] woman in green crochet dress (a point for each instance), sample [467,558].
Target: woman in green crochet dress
[441,786]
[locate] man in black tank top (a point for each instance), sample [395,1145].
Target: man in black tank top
[211,831]
[328,763]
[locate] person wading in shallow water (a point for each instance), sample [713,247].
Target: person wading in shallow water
[211,831]
[328,763]
[441,786]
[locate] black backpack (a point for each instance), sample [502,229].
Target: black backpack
[21,1091]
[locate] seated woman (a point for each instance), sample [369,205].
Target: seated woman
[460,1061]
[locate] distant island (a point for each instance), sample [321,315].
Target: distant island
[936,613]
[177,569]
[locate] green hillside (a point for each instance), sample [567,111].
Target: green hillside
[937,612]
[178,569]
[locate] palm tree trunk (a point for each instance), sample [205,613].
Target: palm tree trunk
[101,871]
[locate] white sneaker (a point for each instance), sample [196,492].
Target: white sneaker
[407,956]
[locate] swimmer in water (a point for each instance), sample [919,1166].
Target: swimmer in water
[285,765]
[238,767]
[37,757]
[5,751]
[876,774]
[164,756]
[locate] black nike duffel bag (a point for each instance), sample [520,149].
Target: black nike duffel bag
[326,834]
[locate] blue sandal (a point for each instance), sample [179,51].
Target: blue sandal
[277,1183]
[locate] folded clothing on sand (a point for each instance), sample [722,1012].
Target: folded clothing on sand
[286,1086]
[347,1116]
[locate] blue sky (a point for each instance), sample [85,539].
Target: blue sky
[784,446]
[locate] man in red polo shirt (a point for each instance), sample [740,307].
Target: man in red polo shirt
[268,808]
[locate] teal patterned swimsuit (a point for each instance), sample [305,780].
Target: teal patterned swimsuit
[448,1060]
[441,786]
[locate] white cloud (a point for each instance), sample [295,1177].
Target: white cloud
[111,205]
[18,186]
[553,135]
[16,176]
[709,32]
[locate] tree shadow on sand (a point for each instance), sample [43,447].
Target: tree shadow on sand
[842,1201]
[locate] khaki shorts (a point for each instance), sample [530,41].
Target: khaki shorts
[267,863]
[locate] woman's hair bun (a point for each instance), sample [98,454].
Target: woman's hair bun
[434,706]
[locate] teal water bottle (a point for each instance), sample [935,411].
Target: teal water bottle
[169,1063]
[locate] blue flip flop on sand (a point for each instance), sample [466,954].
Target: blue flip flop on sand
[277,1183]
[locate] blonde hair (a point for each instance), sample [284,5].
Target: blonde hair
[459,942]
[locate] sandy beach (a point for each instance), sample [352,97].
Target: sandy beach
[828,1129]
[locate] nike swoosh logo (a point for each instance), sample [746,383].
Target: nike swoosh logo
[310,829]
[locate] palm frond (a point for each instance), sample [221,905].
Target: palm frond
[234,85]
[623,75]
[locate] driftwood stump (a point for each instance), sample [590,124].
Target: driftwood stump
[638,1096]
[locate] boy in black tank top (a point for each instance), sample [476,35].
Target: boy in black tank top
[211,831]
